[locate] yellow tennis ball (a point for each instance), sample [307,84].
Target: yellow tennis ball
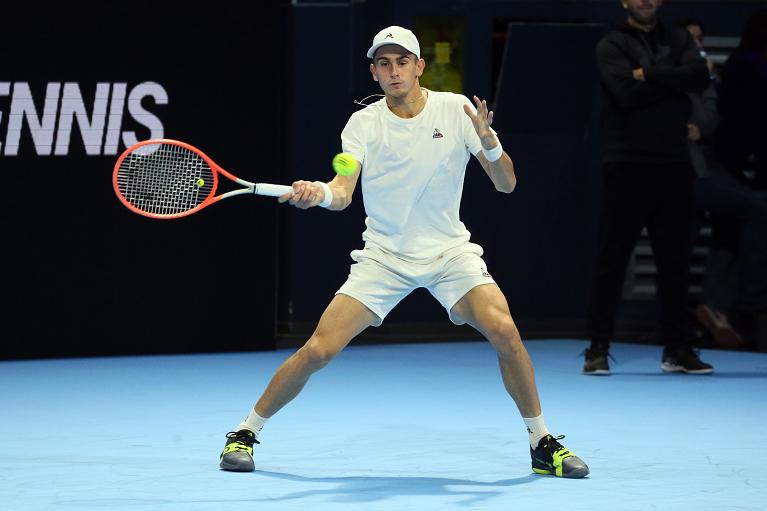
[344,164]
[200,182]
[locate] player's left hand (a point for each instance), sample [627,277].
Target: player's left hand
[482,121]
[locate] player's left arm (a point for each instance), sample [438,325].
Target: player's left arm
[500,171]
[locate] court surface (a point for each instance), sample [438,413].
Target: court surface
[390,427]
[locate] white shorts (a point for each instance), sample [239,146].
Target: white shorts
[380,280]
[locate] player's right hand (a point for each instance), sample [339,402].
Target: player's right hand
[305,195]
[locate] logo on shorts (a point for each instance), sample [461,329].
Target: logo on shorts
[437,134]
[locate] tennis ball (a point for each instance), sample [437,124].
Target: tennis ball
[344,164]
[200,182]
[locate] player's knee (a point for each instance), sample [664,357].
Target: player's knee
[315,354]
[503,334]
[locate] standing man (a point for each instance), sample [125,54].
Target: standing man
[646,70]
[413,146]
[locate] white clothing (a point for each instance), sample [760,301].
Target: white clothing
[412,174]
[380,280]
[412,181]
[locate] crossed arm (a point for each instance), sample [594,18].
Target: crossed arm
[637,87]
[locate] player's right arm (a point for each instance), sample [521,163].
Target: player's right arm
[343,189]
[353,142]
[308,194]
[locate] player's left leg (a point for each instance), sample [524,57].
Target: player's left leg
[485,308]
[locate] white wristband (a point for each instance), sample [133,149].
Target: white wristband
[493,154]
[328,194]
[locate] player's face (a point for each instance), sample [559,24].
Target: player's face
[396,70]
[643,11]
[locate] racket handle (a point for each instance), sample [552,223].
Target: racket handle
[271,190]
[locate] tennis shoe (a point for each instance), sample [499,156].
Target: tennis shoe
[596,361]
[684,360]
[238,451]
[551,458]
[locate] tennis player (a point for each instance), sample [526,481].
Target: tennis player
[413,146]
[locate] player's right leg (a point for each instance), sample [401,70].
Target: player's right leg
[343,319]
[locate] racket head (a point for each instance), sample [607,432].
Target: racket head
[164,179]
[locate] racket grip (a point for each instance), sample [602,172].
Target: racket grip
[271,190]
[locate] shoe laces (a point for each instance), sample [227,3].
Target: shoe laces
[553,446]
[589,351]
[684,353]
[244,438]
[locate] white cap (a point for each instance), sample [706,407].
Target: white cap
[396,35]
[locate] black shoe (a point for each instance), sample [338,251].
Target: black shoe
[684,360]
[551,458]
[238,451]
[596,362]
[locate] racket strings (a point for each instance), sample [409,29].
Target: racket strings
[165,179]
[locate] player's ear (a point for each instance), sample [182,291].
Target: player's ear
[419,67]
[373,72]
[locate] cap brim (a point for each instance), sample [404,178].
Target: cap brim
[372,50]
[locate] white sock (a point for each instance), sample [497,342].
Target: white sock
[536,429]
[253,422]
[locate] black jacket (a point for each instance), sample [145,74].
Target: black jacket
[647,121]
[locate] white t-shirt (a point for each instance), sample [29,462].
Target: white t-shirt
[412,174]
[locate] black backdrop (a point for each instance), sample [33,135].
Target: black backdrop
[265,88]
[83,275]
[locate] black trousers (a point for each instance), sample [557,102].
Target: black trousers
[659,197]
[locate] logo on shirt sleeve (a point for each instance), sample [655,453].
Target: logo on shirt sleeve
[437,134]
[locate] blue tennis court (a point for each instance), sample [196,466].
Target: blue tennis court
[385,427]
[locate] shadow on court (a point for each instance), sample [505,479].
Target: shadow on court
[372,488]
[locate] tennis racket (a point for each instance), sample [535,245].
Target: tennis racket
[166,178]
